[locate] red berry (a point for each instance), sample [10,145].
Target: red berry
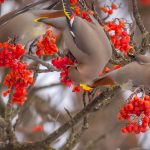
[76,89]
[124,130]
[105,9]
[146,119]
[130,107]
[114,6]
[107,69]
[110,12]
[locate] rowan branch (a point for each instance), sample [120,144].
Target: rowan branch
[140,24]
[100,101]
[36,59]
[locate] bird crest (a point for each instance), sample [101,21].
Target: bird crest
[67,10]
[69,15]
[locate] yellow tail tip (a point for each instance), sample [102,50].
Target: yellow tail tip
[85,87]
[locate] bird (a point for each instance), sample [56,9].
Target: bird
[21,26]
[20,23]
[138,72]
[86,41]
[138,148]
[142,58]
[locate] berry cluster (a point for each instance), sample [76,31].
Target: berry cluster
[118,35]
[47,44]
[82,13]
[73,2]
[137,113]
[63,64]
[2,1]
[109,9]
[145,2]
[9,54]
[19,78]
[79,12]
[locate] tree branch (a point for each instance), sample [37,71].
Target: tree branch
[140,24]
[100,100]
[36,59]
[137,16]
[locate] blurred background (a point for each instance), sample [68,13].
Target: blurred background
[48,98]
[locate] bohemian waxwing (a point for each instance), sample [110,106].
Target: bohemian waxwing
[86,41]
[138,148]
[21,26]
[138,72]
[20,23]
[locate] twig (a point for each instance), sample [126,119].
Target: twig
[85,119]
[90,145]
[0,10]
[36,89]
[2,107]
[107,94]
[33,44]
[35,75]
[8,114]
[140,24]
[47,65]
[75,137]
[72,141]
[8,110]
[40,70]
[69,114]
[137,16]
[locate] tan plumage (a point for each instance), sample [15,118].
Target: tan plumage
[91,49]
[22,26]
[138,72]
[21,23]
[48,13]
[89,45]
[138,148]
[142,58]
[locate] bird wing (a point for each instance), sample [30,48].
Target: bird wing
[72,47]
[58,22]
[5,18]
[142,59]
[42,13]
[132,71]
